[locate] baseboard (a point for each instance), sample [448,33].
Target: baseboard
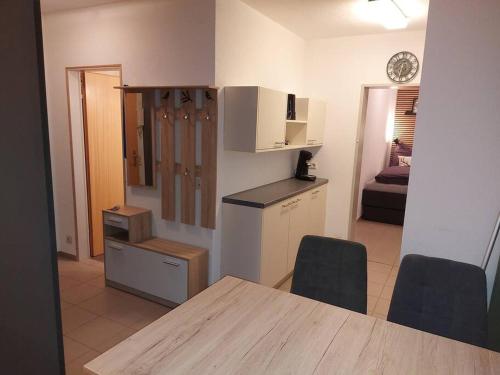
[138,293]
[62,254]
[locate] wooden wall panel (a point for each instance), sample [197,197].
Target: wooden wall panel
[166,117]
[187,118]
[404,125]
[208,117]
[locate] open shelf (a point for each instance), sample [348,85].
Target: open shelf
[296,122]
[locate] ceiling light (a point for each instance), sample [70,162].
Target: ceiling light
[386,12]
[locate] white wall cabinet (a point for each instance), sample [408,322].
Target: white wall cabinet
[261,244]
[255,120]
[313,112]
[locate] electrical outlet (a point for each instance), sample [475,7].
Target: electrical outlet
[69,240]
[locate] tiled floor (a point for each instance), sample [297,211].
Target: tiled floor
[96,317]
[383,246]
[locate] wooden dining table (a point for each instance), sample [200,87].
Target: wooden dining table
[239,327]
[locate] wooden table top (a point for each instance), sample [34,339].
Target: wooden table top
[238,327]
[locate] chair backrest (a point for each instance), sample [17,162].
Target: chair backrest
[332,271]
[441,296]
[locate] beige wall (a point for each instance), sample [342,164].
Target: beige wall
[251,49]
[454,192]
[158,43]
[335,70]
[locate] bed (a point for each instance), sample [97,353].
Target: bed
[384,198]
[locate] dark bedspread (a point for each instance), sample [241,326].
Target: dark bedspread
[394,175]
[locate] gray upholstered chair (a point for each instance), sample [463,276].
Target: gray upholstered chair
[332,271]
[441,296]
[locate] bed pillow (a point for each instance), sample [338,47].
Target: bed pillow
[404,161]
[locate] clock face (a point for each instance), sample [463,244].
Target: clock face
[402,67]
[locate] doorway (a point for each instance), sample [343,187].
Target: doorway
[97,150]
[380,184]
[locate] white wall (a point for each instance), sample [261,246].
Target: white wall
[251,49]
[380,112]
[335,71]
[158,43]
[169,43]
[454,191]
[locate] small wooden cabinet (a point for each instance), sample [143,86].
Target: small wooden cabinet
[129,223]
[164,271]
[261,244]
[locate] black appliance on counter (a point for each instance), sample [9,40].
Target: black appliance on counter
[302,171]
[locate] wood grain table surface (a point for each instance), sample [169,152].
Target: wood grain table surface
[238,327]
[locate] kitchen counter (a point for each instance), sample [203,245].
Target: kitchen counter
[267,195]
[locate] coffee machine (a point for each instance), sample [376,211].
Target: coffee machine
[302,171]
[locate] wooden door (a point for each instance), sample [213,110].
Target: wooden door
[275,226]
[299,227]
[271,119]
[104,148]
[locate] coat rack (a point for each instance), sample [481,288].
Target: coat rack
[180,111]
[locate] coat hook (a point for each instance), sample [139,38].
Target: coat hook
[186,116]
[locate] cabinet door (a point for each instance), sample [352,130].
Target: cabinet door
[299,226]
[271,119]
[317,211]
[316,122]
[146,271]
[275,225]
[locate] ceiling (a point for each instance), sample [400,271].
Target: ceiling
[313,19]
[309,19]
[57,5]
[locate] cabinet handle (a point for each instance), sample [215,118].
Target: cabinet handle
[287,205]
[115,247]
[315,192]
[171,263]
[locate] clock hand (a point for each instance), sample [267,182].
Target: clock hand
[400,70]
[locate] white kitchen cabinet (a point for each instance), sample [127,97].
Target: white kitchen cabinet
[275,241]
[317,210]
[254,119]
[298,228]
[313,112]
[260,244]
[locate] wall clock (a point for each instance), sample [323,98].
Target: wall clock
[402,67]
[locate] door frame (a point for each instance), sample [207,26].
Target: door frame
[82,199]
[358,153]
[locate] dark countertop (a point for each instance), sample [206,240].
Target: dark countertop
[267,195]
